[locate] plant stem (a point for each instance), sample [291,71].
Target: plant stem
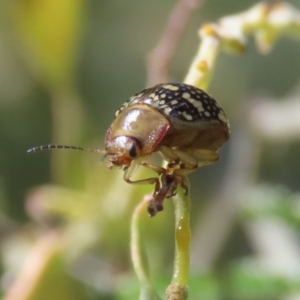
[138,257]
[161,57]
[178,289]
[203,64]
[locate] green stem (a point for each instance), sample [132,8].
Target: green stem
[138,256]
[178,289]
[204,62]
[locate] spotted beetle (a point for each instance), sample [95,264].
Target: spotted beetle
[181,122]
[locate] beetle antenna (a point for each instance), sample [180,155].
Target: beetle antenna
[53,146]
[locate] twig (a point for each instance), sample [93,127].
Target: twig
[27,284]
[159,59]
[267,22]
[139,259]
[178,289]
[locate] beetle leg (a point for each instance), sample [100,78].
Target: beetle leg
[156,169]
[209,156]
[169,155]
[176,158]
[189,159]
[168,188]
[179,162]
[152,180]
[184,184]
[188,163]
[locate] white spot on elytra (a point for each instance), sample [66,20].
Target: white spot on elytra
[197,104]
[186,96]
[222,117]
[170,87]
[187,116]
[167,110]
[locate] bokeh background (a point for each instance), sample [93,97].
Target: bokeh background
[65,67]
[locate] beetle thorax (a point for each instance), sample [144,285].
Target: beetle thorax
[135,132]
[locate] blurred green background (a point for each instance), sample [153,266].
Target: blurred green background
[65,68]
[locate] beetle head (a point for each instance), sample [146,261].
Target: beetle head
[121,150]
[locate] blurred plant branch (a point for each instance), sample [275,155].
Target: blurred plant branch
[266,21]
[44,265]
[267,120]
[159,60]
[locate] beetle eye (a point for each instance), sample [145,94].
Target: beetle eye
[132,151]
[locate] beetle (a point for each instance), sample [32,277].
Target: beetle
[181,122]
